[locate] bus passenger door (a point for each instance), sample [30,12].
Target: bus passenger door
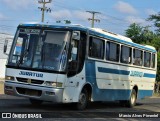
[75,64]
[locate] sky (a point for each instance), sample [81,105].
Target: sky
[115,15]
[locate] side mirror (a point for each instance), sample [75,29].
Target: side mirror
[76,35]
[5,46]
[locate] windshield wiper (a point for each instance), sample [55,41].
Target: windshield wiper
[22,56]
[43,55]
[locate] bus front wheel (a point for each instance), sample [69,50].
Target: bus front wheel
[83,100]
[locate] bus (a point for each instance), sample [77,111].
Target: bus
[79,65]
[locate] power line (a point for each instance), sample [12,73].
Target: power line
[93,17]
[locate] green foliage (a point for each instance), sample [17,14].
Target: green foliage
[65,21]
[156,20]
[158,66]
[143,35]
[156,43]
[140,34]
[134,32]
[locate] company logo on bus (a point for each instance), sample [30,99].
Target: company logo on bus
[136,74]
[25,73]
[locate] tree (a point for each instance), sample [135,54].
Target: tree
[156,43]
[156,19]
[140,34]
[134,31]
[65,21]
[143,35]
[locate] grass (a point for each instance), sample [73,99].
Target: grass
[156,94]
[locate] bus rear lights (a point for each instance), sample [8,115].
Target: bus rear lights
[53,84]
[50,93]
[11,78]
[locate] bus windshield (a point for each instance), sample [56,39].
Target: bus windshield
[45,50]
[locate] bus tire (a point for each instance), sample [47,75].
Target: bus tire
[132,101]
[83,100]
[35,101]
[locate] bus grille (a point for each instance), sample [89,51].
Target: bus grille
[30,92]
[29,81]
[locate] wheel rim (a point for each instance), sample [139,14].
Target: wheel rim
[82,99]
[133,98]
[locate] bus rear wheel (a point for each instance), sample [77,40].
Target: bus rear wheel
[35,102]
[132,101]
[83,100]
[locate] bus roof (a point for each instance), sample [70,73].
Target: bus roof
[94,31]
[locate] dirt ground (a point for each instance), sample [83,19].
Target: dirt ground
[1,87]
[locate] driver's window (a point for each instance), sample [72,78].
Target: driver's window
[73,61]
[74,45]
[74,50]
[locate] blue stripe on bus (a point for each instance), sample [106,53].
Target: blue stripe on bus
[149,75]
[113,71]
[122,72]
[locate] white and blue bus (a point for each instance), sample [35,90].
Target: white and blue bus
[76,64]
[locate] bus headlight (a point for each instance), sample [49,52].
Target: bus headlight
[53,84]
[11,78]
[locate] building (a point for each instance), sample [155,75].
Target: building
[3,57]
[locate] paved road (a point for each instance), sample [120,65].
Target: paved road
[95,110]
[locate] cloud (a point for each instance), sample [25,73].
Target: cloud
[151,12]
[2,17]
[71,15]
[81,15]
[133,19]
[61,14]
[19,4]
[124,7]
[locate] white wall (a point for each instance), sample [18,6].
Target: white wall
[2,67]
[3,57]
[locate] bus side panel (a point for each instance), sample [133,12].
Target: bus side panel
[145,83]
[102,89]
[115,82]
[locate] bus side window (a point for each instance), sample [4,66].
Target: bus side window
[112,51]
[126,53]
[147,59]
[153,61]
[137,55]
[96,48]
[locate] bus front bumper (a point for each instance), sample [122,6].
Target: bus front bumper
[33,91]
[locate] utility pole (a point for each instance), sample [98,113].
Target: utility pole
[44,8]
[93,17]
